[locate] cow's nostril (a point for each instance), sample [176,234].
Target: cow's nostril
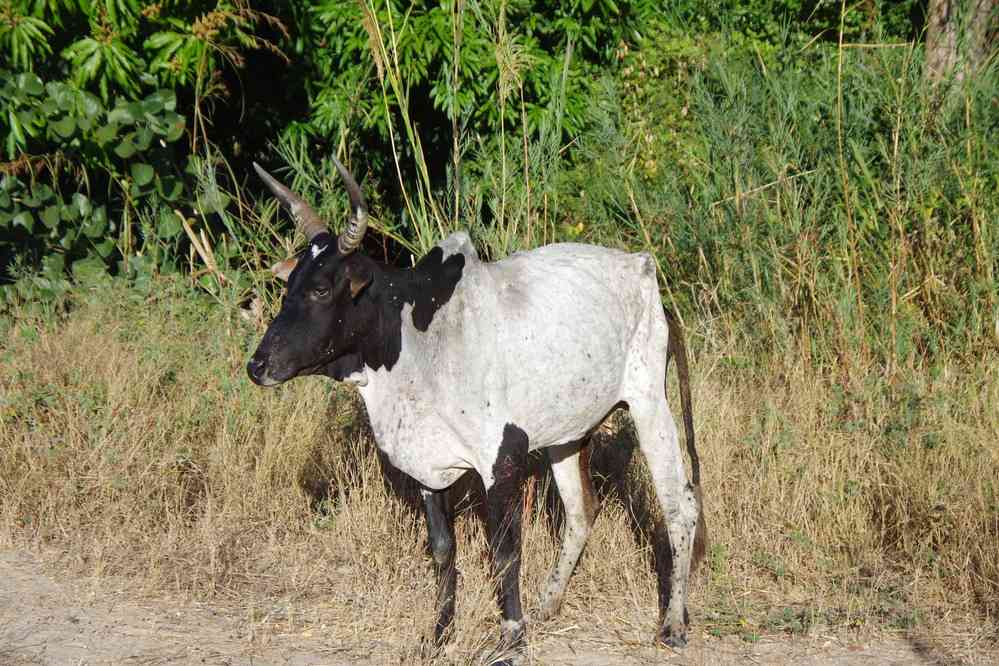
[255,368]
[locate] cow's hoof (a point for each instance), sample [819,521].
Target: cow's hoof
[511,648]
[672,637]
[548,607]
[507,657]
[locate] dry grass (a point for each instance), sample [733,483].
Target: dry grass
[131,441]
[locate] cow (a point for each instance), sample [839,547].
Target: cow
[465,365]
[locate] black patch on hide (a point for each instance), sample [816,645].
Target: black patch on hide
[505,505]
[428,286]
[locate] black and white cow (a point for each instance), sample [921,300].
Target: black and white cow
[465,365]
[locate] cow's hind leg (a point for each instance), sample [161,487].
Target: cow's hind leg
[505,506]
[571,470]
[440,532]
[657,436]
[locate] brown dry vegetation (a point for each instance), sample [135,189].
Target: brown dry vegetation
[131,441]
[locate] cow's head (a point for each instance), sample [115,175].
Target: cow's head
[322,318]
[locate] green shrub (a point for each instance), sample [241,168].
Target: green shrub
[84,172]
[458,60]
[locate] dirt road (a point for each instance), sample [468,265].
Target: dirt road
[47,619]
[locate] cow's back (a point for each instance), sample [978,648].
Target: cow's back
[548,334]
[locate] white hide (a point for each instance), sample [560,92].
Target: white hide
[548,340]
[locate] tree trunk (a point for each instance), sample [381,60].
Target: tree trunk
[960,36]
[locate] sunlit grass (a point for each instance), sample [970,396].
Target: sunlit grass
[132,442]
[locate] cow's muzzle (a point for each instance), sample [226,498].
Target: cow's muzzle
[257,369]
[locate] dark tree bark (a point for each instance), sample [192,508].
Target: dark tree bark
[960,36]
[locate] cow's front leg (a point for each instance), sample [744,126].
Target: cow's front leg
[504,500]
[440,533]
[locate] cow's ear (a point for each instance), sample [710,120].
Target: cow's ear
[283,269]
[359,273]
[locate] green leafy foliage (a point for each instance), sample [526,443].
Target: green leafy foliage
[759,163]
[109,62]
[24,37]
[46,210]
[456,58]
[129,47]
[96,164]
[801,21]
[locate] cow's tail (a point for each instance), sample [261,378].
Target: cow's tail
[678,350]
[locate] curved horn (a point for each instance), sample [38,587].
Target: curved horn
[350,239]
[305,217]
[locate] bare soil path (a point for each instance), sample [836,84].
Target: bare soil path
[47,619]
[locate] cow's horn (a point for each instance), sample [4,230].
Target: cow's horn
[305,217]
[350,239]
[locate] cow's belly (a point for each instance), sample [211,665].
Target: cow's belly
[556,413]
[419,443]
[432,472]
[565,379]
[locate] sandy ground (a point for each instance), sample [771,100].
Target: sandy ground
[48,620]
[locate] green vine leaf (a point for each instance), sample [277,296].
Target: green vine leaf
[142,173]
[24,219]
[64,127]
[126,148]
[50,217]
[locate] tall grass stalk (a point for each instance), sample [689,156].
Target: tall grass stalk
[845,177]
[457,39]
[427,221]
